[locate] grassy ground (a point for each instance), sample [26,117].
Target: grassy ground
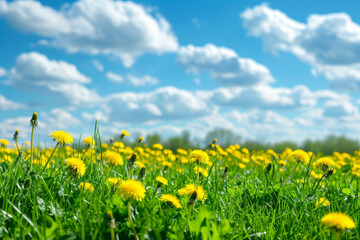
[249,195]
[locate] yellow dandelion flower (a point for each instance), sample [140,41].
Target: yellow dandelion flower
[157,146]
[181,151]
[316,175]
[139,164]
[140,139]
[4,142]
[322,202]
[89,141]
[162,180]
[104,146]
[62,137]
[338,221]
[202,171]
[282,162]
[241,165]
[118,145]
[199,156]
[125,133]
[113,158]
[325,163]
[189,189]
[171,199]
[114,181]
[76,165]
[87,186]
[132,189]
[300,156]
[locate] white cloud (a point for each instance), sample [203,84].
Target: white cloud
[262,97]
[264,125]
[8,127]
[114,77]
[97,115]
[166,103]
[142,81]
[133,80]
[59,119]
[34,72]
[97,65]
[339,109]
[124,29]
[330,42]
[56,119]
[3,72]
[224,65]
[6,104]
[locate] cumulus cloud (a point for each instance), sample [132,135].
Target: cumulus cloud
[330,42]
[262,97]
[6,104]
[142,81]
[224,65]
[97,65]
[114,77]
[339,109]
[56,119]
[59,119]
[2,72]
[97,115]
[133,80]
[123,29]
[35,73]
[166,103]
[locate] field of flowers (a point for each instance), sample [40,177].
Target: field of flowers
[90,189]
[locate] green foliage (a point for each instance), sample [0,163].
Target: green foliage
[331,144]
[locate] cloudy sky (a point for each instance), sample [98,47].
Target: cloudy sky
[279,70]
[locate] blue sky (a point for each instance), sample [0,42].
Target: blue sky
[279,70]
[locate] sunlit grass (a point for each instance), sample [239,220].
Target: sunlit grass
[106,190]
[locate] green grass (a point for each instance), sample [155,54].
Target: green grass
[257,202]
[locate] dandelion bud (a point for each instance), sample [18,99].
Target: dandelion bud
[329,173]
[34,120]
[16,135]
[192,199]
[132,159]
[226,172]
[281,180]
[111,220]
[111,140]
[140,139]
[268,168]
[142,173]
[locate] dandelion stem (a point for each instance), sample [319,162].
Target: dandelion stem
[31,147]
[52,153]
[318,183]
[131,220]
[292,172]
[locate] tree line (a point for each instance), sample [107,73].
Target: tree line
[226,137]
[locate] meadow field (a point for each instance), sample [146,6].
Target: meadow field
[91,189]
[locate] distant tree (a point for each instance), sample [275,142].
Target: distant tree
[152,139]
[225,137]
[182,141]
[281,146]
[331,144]
[254,145]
